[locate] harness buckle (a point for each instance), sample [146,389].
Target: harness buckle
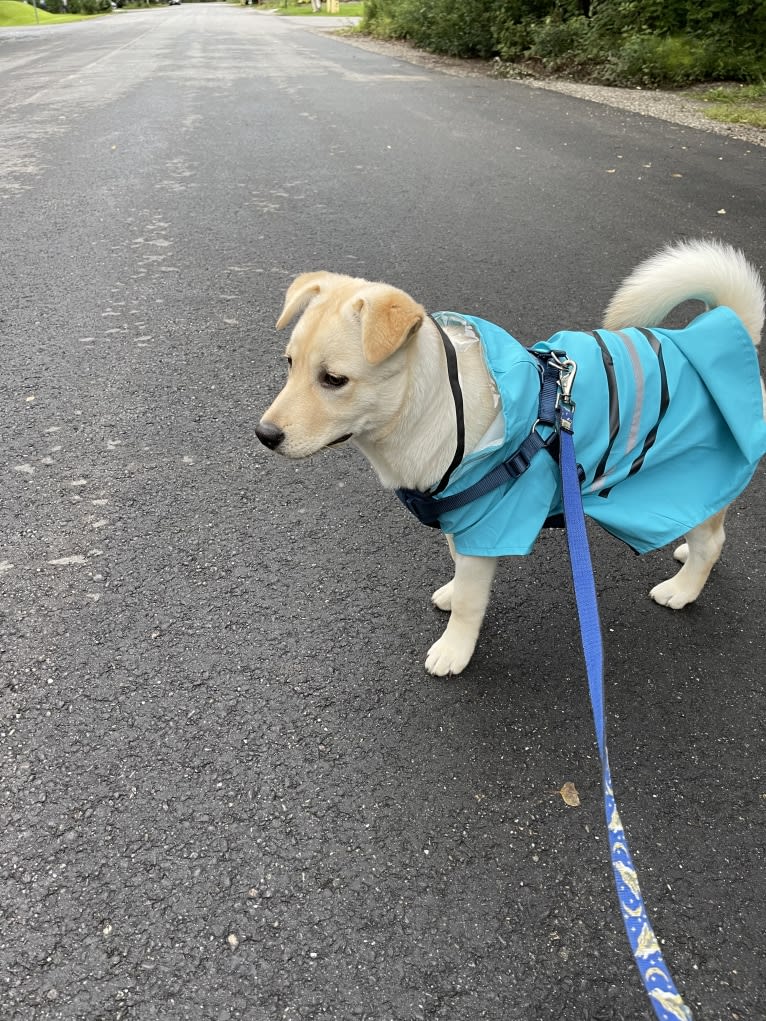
[518,463]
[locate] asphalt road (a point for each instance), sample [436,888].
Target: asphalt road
[229,789]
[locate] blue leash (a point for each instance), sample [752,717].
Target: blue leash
[663,995]
[556,409]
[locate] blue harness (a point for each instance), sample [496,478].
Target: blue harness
[641,394]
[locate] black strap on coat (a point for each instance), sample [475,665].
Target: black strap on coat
[457,397]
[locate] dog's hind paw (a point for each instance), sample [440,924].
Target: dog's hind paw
[442,597]
[447,657]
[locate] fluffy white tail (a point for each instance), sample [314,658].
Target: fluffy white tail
[708,271]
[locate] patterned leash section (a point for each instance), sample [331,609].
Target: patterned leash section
[661,990]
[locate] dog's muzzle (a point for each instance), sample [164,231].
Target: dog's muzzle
[270,435]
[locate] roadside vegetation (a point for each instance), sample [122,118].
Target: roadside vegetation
[18,13]
[646,43]
[737,104]
[14,13]
[346,9]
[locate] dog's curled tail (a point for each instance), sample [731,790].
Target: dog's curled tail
[708,271]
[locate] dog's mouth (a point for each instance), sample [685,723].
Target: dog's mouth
[340,439]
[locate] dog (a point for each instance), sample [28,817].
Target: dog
[669,426]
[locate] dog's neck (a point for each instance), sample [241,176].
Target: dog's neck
[416,447]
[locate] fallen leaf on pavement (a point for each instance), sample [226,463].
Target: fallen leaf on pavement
[569,793]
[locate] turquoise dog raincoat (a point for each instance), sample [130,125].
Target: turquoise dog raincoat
[668,430]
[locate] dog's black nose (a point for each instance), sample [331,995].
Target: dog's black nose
[269,435]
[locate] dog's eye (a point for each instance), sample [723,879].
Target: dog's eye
[289,361]
[332,381]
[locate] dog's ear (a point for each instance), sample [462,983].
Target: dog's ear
[389,318]
[299,294]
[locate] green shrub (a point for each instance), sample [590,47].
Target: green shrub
[459,29]
[513,25]
[628,42]
[513,40]
[676,61]
[644,59]
[554,39]
[88,6]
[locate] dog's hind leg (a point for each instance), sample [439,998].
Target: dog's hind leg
[698,555]
[468,598]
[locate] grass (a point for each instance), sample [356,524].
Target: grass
[14,14]
[737,104]
[347,10]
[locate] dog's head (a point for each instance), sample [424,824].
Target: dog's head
[346,362]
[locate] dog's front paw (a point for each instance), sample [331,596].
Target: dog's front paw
[681,553]
[442,597]
[674,593]
[448,656]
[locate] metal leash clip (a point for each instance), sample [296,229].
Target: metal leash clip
[564,403]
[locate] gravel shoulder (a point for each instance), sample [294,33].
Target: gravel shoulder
[683,106]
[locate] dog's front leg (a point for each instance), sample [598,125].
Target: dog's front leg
[468,597]
[442,597]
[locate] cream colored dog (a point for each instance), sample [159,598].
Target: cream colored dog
[366,364]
